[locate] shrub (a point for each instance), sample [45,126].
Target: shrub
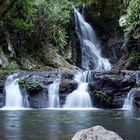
[134,58]
[34,86]
[21,83]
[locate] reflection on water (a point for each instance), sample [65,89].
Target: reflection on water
[62,124]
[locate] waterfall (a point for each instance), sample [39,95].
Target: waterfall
[87,77]
[128,103]
[79,98]
[137,76]
[90,46]
[13,94]
[53,93]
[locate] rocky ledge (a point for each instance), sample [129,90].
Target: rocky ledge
[107,89]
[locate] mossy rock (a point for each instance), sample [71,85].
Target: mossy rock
[50,57]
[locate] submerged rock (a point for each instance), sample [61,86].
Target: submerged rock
[96,133]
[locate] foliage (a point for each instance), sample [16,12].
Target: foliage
[101,95]
[130,22]
[134,59]
[11,66]
[131,18]
[58,18]
[34,86]
[21,83]
[21,24]
[23,15]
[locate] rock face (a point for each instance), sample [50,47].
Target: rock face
[50,58]
[2,99]
[65,88]
[136,101]
[38,100]
[96,133]
[108,90]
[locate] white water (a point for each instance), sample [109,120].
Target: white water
[137,76]
[79,98]
[128,103]
[53,92]
[13,94]
[87,77]
[90,46]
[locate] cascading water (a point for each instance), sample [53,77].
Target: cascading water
[128,103]
[91,59]
[79,98]
[90,46]
[13,94]
[53,92]
[87,76]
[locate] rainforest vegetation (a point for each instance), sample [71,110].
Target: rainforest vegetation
[39,34]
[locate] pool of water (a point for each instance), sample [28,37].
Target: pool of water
[63,124]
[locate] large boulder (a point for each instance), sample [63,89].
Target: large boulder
[38,99]
[96,133]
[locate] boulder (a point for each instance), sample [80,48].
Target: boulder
[96,133]
[2,99]
[38,99]
[67,87]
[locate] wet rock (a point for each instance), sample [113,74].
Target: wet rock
[2,99]
[38,99]
[96,133]
[67,75]
[67,87]
[115,85]
[136,102]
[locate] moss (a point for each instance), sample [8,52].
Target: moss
[49,57]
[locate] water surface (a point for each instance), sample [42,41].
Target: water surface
[62,124]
